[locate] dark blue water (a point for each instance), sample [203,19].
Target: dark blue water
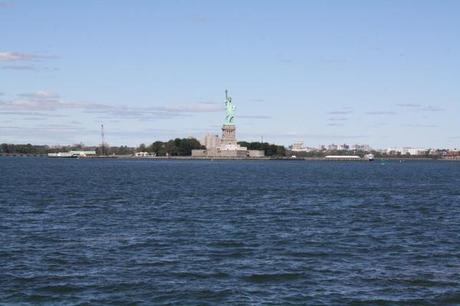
[229,232]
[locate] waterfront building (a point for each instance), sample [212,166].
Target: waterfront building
[299,147]
[73,154]
[342,157]
[144,154]
[83,153]
[406,151]
[361,147]
[211,141]
[343,147]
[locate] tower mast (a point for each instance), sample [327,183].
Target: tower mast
[102,140]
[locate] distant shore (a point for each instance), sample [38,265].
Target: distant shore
[126,157]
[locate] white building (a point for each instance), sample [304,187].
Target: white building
[83,153]
[144,154]
[343,157]
[73,154]
[407,151]
[211,141]
[343,147]
[361,147]
[299,147]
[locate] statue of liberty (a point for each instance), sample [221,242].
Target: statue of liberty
[229,110]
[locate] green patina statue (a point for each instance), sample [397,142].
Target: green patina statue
[229,110]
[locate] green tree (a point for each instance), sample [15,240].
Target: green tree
[175,147]
[141,148]
[269,149]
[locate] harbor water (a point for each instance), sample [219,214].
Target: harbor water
[126,232]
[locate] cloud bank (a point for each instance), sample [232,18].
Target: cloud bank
[48,101]
[18,56]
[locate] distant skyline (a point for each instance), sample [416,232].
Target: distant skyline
[383,73]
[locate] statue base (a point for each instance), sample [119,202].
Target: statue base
[228,135]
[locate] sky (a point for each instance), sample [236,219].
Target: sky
[383,73]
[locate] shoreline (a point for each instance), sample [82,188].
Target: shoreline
[124,157]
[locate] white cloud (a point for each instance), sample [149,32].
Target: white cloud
[420,107]
[7,56]
[344,111]
[19,67]
[41,94]
[15,56]
[378,113]
[27,68]
[418,125]
[46,101]
[410,105]
[33,114]
[200,107]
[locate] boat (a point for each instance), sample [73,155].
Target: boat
[369,157]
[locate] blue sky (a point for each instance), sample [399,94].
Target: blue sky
[385,73]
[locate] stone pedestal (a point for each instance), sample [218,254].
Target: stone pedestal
[228,135]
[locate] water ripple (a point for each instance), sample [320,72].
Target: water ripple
[118,232]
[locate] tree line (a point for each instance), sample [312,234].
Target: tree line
[173,147]
[270,149]
[184,147]
[6,148]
